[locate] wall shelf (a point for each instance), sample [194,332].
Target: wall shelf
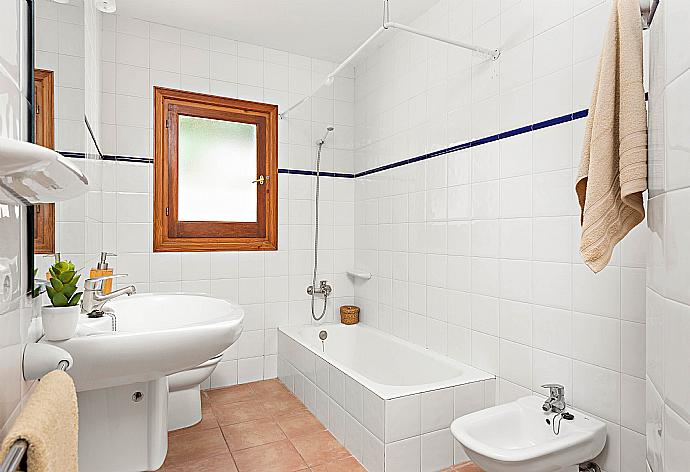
[359,274]
[37,174]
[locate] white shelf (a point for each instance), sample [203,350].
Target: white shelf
[38,174]
[359,274]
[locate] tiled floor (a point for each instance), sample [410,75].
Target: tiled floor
[259,427]
[467,467]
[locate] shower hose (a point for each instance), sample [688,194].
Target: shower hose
[316,239]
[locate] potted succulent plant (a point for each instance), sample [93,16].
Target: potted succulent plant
[61,316]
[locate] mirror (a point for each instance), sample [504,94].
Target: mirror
[66,77]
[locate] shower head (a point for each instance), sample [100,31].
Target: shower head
[321,141]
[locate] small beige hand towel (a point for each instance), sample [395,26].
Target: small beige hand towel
[49,423]
[613,170]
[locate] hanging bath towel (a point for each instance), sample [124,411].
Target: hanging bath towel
[613,170]
[49,423]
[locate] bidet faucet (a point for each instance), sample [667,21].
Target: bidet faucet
[94,298]
[556,401]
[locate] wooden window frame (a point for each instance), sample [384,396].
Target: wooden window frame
[171,235]
[44,213]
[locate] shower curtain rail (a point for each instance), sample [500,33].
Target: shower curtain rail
[331,76]
[648,9]
[489,53]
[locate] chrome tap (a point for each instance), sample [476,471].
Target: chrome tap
[556,401]
[94,298]
[323,288]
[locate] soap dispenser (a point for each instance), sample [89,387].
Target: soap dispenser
[103,269]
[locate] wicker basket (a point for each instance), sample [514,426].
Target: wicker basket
[349,314]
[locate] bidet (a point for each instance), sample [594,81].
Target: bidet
[520,437]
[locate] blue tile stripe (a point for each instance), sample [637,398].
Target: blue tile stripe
[148,160]
[455,148]
[143,160]
[481,141]
[313,172]
[73,155]
[108,157]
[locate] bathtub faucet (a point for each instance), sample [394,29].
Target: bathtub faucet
[323,288]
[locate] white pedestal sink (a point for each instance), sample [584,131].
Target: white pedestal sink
[515,437]
[121,375]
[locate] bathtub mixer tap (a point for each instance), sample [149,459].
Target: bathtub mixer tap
[323,288]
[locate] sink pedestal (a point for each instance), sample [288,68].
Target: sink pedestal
[121,372]
[123,428]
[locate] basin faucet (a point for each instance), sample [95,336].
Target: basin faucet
[556,401]
[94,298]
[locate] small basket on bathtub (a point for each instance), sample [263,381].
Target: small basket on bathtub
[349,314]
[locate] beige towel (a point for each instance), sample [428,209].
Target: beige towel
[49,423]
[613,170]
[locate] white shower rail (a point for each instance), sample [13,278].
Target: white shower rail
[647,10]
[387,24]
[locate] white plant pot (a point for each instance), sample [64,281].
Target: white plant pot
[59,323]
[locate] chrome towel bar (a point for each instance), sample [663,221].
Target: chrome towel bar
[17,453]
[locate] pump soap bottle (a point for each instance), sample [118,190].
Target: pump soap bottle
[102,269]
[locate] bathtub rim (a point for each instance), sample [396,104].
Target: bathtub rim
[388,392]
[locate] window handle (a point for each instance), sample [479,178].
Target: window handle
[261,180]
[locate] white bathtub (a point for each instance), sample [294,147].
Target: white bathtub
[388,366]
[388,401]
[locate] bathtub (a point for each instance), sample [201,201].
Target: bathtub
[390,402]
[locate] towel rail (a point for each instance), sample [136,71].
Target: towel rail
[17,453]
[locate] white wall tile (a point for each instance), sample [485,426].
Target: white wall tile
[132,50]
[402,418]
[596,339]
[404,455]
[436,410]
[597,390]
[437,450]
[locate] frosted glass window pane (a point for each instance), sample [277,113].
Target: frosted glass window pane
[216,167]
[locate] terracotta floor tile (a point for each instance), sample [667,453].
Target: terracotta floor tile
[319,448]
[299,424]
[208,420]
[194,446]
[222,462]
[234,394]
[279,456]
[240,412]
[346,465]
[465,467]
[281,405]
[252,433]
[268,388]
